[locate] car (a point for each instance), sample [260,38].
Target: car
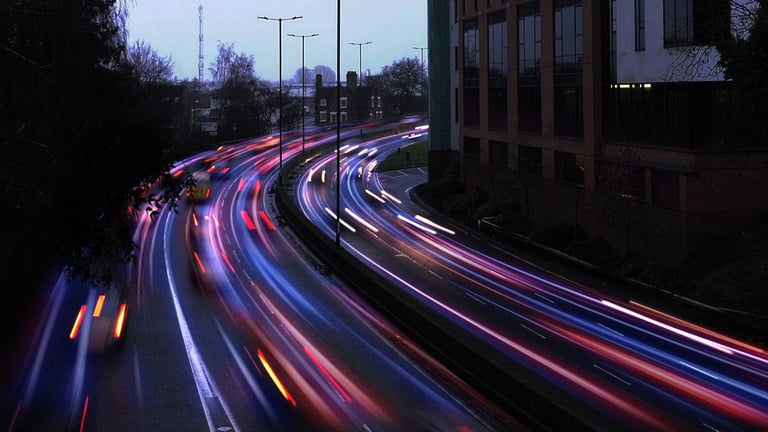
[100,323]
[206,265]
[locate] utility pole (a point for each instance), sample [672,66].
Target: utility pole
[200,44]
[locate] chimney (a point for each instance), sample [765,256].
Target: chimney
[352,80]
[318,81]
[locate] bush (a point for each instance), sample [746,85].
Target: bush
[459,207]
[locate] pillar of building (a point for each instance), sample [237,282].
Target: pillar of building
[441,148]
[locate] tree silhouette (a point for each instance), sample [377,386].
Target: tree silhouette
[76,138]
[242,94]
[149,67]
[402,79]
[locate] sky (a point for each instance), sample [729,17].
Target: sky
[171,28]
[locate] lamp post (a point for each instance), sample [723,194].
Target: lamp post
[360,66]
[422,67]
[338,123]
[280,100]
[303,84]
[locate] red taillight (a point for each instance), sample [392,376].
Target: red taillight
[78,321]
[199,262]
[120,320]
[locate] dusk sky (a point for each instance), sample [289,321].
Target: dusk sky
[171,28]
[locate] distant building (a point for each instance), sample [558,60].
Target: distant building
[601,114]
[357,103]
[173,107]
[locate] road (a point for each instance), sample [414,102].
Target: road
[262,339]
[613,361]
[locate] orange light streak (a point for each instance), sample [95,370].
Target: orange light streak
[78,321]
[99,306]
[120,321]
[275,379]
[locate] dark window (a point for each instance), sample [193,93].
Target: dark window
[569,168]
[456,104]
[569,49]
[497,108]
[529,160]
[665,189]
[471,71]
[529,39]
[569,110]
[640,25]
[455,58]
[568,97]
[529,68]
[695,23]
[498,154]
[497,70]
[471,104]
[472,149]
[683,115]
[497,48]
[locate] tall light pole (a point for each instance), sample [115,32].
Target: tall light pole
[303,83]
[422,67]
[280,101]
[360,47]
[338,124]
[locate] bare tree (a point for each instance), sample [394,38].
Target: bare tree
[148,66]
[328,74]
[309,77]
[402,79]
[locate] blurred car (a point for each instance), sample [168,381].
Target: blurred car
[219,169]
[100,321]
[206,265]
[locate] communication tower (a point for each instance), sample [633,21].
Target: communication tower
[200,53]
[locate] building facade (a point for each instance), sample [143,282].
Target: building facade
[354,104]
[600,114]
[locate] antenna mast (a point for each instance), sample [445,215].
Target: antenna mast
[200,53]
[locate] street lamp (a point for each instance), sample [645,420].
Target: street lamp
[360,46]
[338,123]
[303,84]
[422,67]
[280,100]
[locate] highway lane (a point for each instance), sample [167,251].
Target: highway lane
[268,343]
[614,362]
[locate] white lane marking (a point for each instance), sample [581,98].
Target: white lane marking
[205,386]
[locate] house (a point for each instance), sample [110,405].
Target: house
[597,114]
[354,103]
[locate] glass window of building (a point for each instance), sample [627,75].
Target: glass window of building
[569,54]
[497,70]
[471,71]
[529,68]
[640,25]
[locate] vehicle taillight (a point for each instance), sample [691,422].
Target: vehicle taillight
[120,321]
[78,321]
